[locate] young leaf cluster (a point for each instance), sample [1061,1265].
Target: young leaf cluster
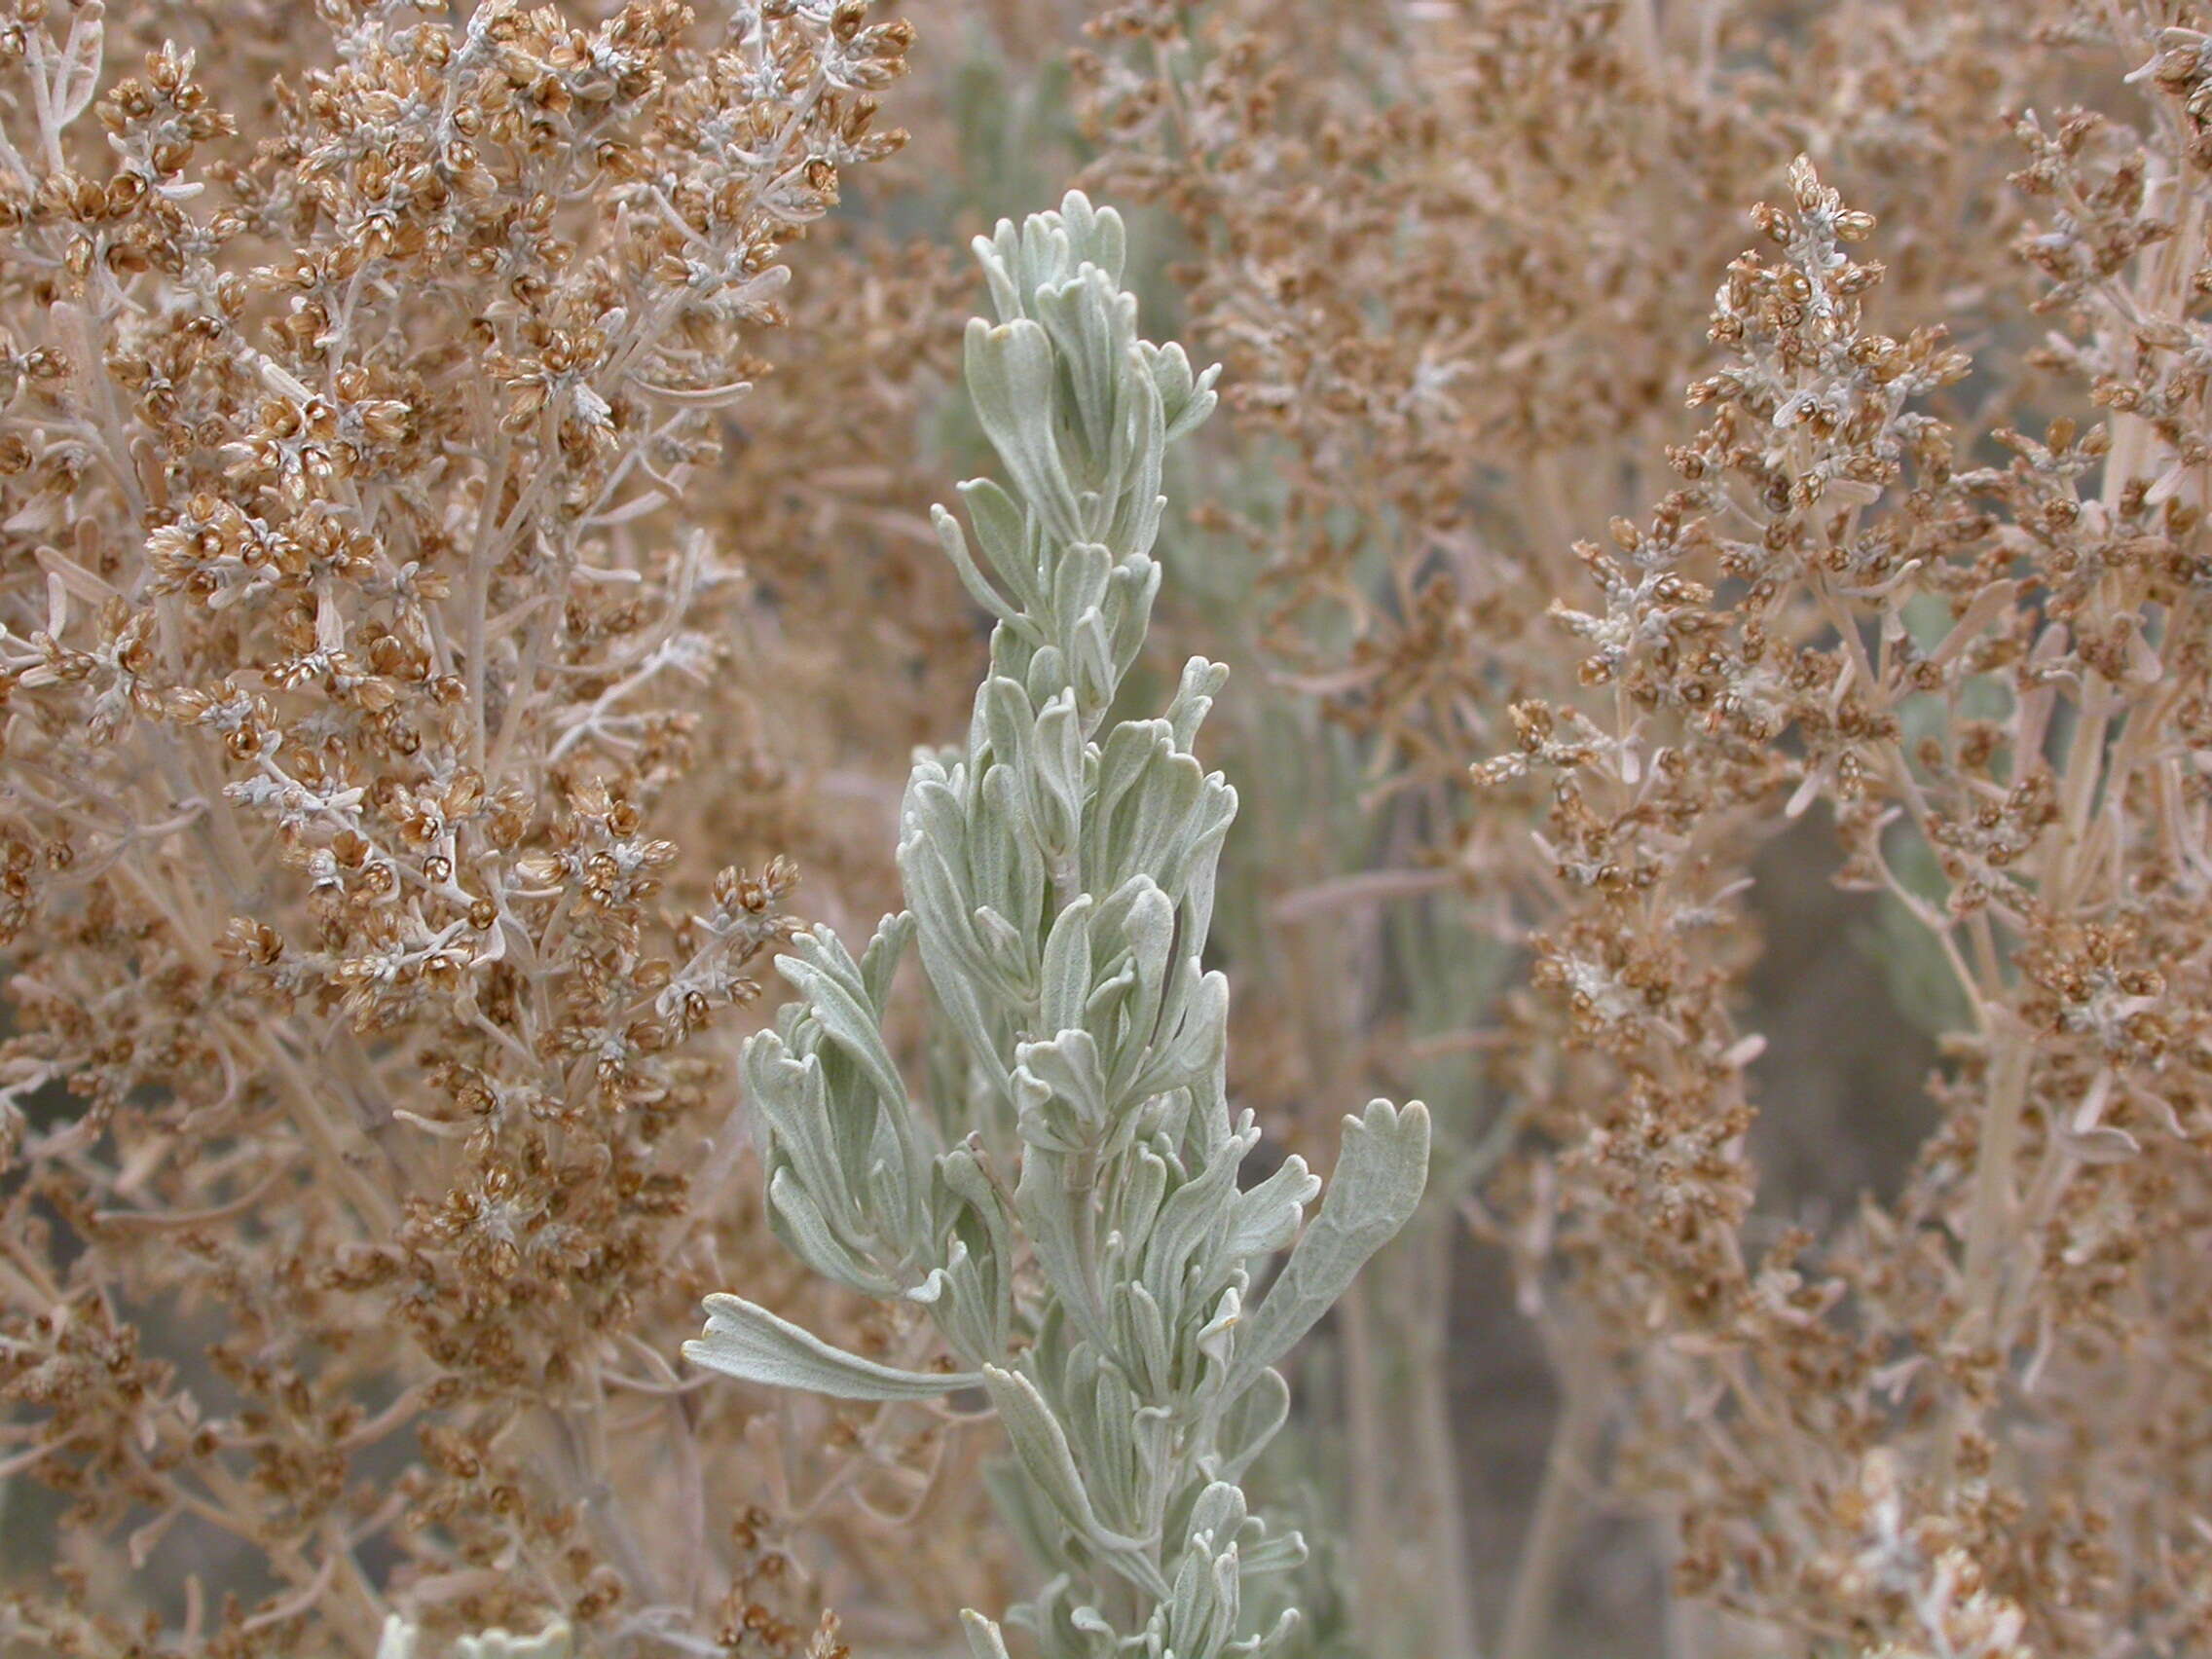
[1068,1213]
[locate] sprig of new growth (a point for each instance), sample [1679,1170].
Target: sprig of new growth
[1070,1215]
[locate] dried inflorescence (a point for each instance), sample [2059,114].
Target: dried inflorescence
[349,629]
[1935,1427]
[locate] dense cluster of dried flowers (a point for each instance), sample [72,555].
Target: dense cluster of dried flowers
[1914,1427]
[355,1101]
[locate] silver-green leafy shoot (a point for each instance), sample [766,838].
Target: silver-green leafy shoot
[1068,1210]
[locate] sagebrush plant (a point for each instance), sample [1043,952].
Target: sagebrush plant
[345,623]
[1066,1206]
[1540,830]
[1989,674]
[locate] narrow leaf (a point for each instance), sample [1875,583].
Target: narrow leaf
[747,1341]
